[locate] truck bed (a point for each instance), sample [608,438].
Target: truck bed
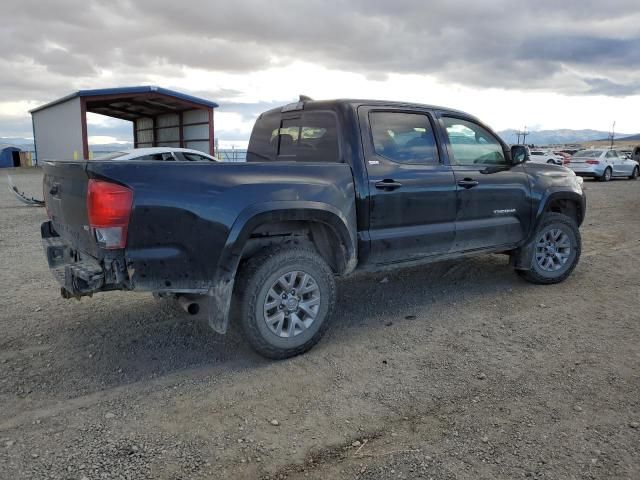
[184,213]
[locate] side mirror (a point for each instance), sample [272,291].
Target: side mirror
[519,154]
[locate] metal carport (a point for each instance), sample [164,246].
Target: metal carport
[160,117]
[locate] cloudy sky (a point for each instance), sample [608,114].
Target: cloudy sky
[547,64]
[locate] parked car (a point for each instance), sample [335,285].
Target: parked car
[564,156]
[570,151]
[542,156]
[603,164]
[166,154]
[329,187]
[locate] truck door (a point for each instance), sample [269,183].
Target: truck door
[493,197]
[412,193]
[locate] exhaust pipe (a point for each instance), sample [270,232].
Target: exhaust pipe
[189,304]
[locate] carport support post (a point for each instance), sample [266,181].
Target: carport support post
[83,121]
[135,133]
[211,147]
[180,129]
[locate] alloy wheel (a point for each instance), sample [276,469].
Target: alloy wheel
[553,249]
[291,304]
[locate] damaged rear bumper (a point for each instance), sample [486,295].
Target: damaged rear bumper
[77,273]
[80,275]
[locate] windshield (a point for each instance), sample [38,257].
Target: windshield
[537,153]
[111,155]
[588,153]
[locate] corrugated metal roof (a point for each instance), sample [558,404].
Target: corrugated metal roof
[129,91]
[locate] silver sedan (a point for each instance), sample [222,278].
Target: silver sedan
[603,164]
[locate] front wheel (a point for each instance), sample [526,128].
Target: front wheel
[286,295]
[555,250]
[634,175]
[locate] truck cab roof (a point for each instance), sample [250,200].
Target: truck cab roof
[354,103]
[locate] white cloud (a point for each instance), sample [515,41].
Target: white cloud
[570,64]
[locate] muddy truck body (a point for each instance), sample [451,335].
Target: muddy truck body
[329,187]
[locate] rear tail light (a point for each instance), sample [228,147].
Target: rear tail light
[593,162]
[109,209]
[566,161]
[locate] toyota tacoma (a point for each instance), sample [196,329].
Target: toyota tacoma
[328,188]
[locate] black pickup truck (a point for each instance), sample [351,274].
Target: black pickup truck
[329,187]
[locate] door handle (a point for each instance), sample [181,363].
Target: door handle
[468,183]
[388,185]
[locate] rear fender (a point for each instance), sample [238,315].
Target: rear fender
[221,290]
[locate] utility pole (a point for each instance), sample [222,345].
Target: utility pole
[518,133]
[524,135]
[613,133]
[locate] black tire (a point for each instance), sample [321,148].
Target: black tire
[258,275]
[567,225]
[635,173]
[606,175]
[551,162]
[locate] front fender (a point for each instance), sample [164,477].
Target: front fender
[522,258]
[221,290]
[575,195]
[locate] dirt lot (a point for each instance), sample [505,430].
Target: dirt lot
[455,370]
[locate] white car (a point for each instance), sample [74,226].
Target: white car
[603,164]
[540,156]
[167,154]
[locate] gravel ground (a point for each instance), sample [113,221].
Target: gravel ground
[453,370]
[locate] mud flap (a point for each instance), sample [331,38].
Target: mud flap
[522,258]
[219,305]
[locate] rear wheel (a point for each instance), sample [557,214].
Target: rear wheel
[606,176]
[555,250]
[551,162]
[634,175]
[286,296]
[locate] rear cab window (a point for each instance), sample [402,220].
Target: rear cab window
[301,136]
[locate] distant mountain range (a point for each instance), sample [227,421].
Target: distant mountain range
[547,137]
[18,142]
[631,138]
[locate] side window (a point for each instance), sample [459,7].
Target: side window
[612,154]
[472,144]
[153,156]
[403,137]
[193,157]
